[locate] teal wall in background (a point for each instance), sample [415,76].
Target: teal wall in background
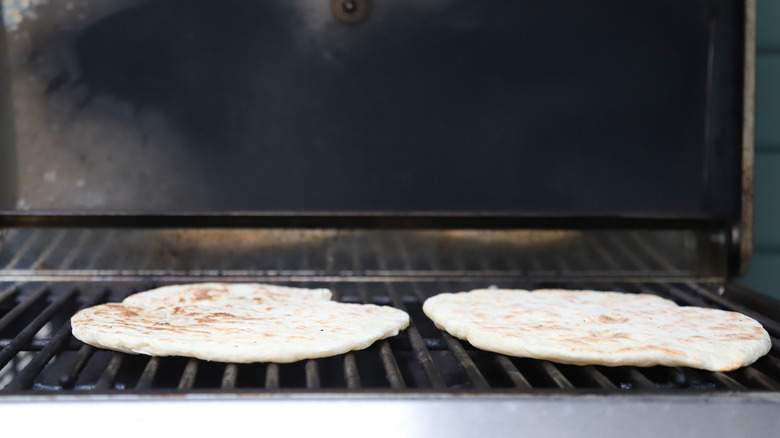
[764,273]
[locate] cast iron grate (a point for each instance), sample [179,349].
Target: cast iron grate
[39,356]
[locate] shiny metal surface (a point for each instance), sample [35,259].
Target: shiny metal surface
[419,415]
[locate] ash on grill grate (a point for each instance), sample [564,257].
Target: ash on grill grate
[40,357]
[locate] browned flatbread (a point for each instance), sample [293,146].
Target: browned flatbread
[599,328]
[236,323]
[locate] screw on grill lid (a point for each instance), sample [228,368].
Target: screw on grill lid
[350,11]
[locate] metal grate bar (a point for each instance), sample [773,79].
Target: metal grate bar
[330,258]
[229,377]
[772,361]
[27,376]
[143,262]
[392,372]
[760,378]
[640,379]
[48,250]
[402,249]
[602,252]
[351,374]
[8,293]
[21,307]
[312,371]
[417,342]
[354,253]
[556,375]
[76,250]
[305,257]
[628,254]
[100,249]
[418,293]
[538,268]
[727,381]
[465,362]
[458,259]
[599,378]
[775,343]
[106,380]
[150,371]
[562,265]
[68,379]
[651,252]
[484,263]
[272,376]
[460,354]
[749,372]
[513,265]
[188,376]
[32,328]
[415,339]
[23,249]
[514,374]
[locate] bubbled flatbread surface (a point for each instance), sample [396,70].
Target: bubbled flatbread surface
[599,328]
[236,323]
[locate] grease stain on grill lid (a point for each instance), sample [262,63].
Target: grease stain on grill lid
[95,150]
[16,11]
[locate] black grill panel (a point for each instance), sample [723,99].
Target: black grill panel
[39,355]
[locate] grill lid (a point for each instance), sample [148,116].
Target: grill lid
[518,108]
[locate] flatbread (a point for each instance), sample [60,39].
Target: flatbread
[236,323]
[599,328]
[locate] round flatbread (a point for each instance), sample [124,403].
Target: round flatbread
[599,328]
[236,323]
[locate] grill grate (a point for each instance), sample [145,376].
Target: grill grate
[100,254]
[40,357]
[48,275]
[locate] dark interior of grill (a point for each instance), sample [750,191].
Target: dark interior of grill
[519,106]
